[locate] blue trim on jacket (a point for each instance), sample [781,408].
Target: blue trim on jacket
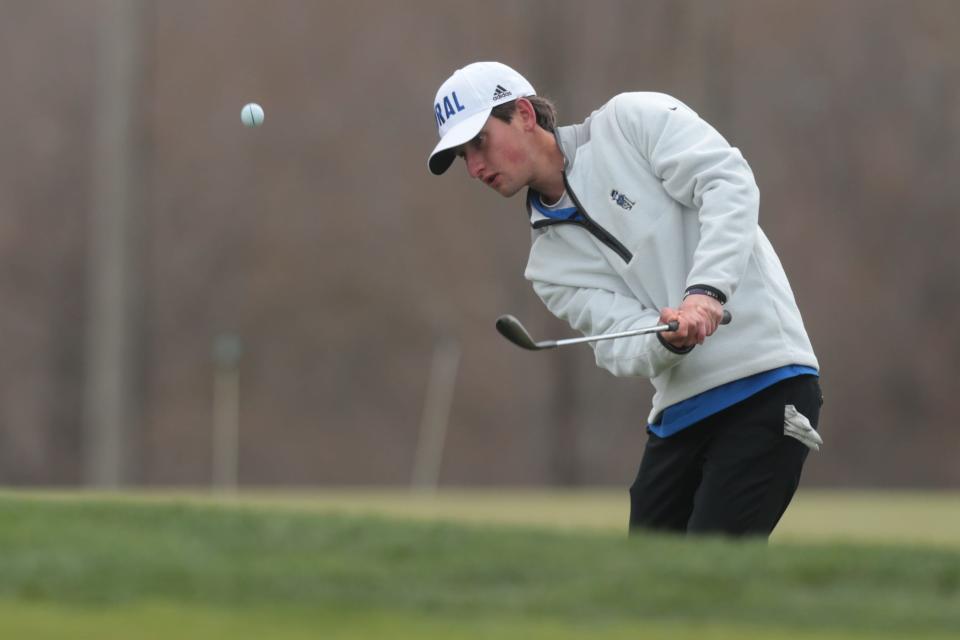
[692,410]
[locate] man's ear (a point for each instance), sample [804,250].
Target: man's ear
[527,114]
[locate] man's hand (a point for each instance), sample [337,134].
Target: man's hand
[698,316]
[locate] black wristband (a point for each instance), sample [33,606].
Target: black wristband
[706,290]
[672,348]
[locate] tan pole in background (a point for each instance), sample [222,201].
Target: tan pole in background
[112,276]
[227,351]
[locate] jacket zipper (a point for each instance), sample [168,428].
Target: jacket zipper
[598,232]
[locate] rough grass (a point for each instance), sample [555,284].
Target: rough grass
[107,568]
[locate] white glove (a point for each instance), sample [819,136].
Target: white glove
[796,425]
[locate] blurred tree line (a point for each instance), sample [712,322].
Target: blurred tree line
[321,241]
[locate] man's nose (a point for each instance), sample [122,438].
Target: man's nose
[474,163]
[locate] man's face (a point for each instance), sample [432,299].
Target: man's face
[498,156]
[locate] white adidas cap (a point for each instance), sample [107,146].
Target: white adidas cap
[464,103]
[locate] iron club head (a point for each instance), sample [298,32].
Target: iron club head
[511,329]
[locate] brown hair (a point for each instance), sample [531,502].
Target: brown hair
[543,107]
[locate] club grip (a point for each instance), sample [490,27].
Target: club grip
[673,325]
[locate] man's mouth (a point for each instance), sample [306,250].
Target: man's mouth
[489,180]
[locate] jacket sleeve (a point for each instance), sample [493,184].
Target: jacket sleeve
[699,169]
[577,285]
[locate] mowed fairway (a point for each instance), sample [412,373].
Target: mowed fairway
[852,516]
[887,517]
[515,565]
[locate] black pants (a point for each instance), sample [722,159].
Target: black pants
[732,473]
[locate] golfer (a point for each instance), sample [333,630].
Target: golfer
[644,214]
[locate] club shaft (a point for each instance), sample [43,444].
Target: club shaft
[606,336]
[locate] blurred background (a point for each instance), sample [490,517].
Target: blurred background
[184,301]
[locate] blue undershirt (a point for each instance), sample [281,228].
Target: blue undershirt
[556,213]
[692,410]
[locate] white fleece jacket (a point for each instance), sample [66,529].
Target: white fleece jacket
[669,204]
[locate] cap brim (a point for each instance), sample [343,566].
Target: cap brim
[445,152]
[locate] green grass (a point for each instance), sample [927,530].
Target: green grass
[169,569]
[895,517]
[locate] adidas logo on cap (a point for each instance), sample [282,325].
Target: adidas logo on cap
[500,93]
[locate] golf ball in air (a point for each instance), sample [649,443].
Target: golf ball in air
[252,115]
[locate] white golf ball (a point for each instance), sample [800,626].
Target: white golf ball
[251,115]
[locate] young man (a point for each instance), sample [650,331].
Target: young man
[644,214]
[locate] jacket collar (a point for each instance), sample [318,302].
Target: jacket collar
[569,139]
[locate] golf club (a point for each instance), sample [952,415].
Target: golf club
[511,329]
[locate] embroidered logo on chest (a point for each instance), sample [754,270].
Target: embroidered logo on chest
[622,200]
